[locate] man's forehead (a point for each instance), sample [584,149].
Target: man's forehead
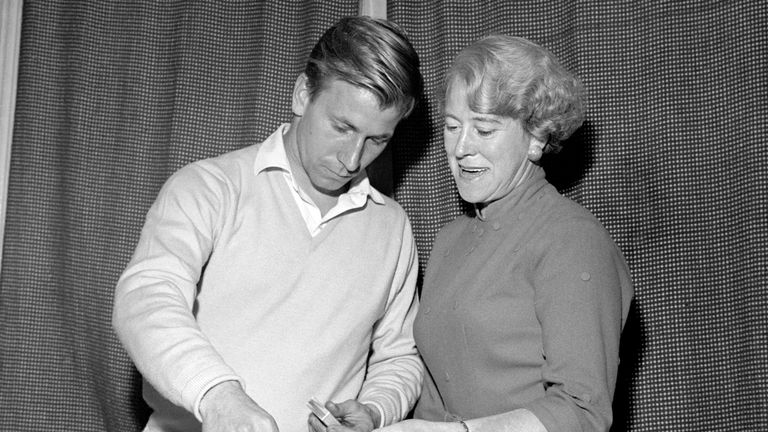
[360,109]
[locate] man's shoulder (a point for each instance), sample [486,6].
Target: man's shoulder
[242,157]
[226,165]
[219,174]
[387,207]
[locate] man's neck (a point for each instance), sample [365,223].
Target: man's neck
[324,201]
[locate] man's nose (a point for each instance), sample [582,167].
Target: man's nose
[352,154]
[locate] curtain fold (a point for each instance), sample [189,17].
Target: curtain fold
[114,96]
[672,159]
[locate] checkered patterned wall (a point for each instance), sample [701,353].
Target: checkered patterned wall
[114,96]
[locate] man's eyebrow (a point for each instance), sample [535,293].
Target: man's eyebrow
[344,122]
[384,136]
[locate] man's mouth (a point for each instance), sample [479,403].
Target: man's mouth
[340,173]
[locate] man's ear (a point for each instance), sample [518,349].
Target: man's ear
[300,95]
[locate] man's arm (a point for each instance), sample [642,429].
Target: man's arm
[226,407]
[154,297]
[395,370]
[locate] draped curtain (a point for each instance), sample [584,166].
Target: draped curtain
[672,159]
[114,96]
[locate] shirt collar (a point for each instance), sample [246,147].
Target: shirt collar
[272,155]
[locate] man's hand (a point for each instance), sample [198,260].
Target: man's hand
[226,407]
[353,416]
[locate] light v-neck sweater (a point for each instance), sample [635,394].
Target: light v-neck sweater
[289,315]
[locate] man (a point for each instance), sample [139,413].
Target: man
[309,272]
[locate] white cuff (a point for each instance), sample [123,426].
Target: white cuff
[210,385]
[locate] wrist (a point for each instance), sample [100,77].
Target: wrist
[217,395]
[462,426]
[373,411]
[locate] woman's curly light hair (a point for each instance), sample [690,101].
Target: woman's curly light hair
[514,77]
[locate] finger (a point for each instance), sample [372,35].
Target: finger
[336,409]
[315,424]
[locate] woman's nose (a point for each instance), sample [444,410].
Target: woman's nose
[464,146]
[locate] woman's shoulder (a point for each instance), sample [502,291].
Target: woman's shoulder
[564,213]
[450,231]
[562,224]
[454,226]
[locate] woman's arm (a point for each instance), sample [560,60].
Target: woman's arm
[582,294]
[520,420]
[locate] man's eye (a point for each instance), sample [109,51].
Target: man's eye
[451,128]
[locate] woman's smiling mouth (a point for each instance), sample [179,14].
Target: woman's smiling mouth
[469,171]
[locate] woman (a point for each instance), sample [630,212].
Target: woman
[523,303]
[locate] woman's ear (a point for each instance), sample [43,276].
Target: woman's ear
[535,150]
[300,95]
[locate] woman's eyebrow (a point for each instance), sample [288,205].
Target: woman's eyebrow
[486,119]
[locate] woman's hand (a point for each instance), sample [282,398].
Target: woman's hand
[422,426]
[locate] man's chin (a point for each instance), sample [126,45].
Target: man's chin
[331,188]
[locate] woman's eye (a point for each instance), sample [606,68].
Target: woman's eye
[451,128]
[485,133]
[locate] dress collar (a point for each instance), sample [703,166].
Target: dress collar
[503,207]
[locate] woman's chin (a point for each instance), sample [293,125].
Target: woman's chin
[472,196]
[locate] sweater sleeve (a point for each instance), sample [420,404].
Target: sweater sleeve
[395,370]
[154,299]
[582,298]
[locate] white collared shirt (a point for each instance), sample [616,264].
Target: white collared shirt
[272,155]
